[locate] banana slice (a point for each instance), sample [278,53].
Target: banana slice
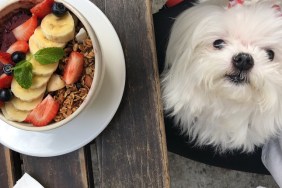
[42,42]
[39,81]
[43,70]
[26,94]
[26,106]
[12,114]
[55,83]
[5,114]
[33,48]
[58,29]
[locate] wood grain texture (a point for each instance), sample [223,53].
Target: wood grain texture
[10,169]
[66,171]
[131,152]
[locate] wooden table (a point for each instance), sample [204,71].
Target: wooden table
[131,152]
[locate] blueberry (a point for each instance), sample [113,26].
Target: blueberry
[7,69]
[5,95]
[18,56]
[59,9]
[78,85]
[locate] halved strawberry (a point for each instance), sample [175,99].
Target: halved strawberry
[5,58]
[44,112]
[5,80]
[20,45]
[42,9]
[73,68]
[24,31]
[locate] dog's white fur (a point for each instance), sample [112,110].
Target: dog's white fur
[211,109]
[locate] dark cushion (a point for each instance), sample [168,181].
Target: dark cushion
[177,143]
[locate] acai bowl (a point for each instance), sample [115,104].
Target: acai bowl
[59,40]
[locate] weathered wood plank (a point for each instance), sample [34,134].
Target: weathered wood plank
[10,167]
[131,152]
[64,171]
[6,179]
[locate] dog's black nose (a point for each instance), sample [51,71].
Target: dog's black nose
[243,61]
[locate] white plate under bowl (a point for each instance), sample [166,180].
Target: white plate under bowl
[93,120]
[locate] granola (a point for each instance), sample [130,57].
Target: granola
[72,96]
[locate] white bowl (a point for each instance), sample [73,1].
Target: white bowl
[12,5]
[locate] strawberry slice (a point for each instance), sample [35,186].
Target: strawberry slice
[24,31]
[5,58]
[44,112]
[20,45]
[42,9]
[73,68]
[5,80]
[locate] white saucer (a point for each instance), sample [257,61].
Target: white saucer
[90,123]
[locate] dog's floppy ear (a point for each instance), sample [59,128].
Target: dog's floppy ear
[163,21]
[188,32]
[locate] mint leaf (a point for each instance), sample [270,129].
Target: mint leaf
[49,55]
[23,74]
[20,65]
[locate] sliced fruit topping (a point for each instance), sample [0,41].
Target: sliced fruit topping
[43,70]
[18,56]
[19,45]
[26,106]
[55,83]
[59,9]
[42,42]
[42,9]
[44,113]
[74,68]
[32,45]
[12,114]
[5,60]
[58,29]
[26,94]
[24,31]
[5,95]
[5,81]
[43,63]
[39,81]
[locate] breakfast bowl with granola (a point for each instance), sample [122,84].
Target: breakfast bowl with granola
[50,64]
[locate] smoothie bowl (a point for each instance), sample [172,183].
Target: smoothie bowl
[50,63]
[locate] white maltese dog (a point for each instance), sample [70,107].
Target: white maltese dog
[223,74]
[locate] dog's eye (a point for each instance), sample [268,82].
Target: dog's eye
[219,44]
[270,54]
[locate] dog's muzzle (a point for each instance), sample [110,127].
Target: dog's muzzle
[238,77]
[242,63]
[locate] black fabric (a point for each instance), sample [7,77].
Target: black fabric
[163,20]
